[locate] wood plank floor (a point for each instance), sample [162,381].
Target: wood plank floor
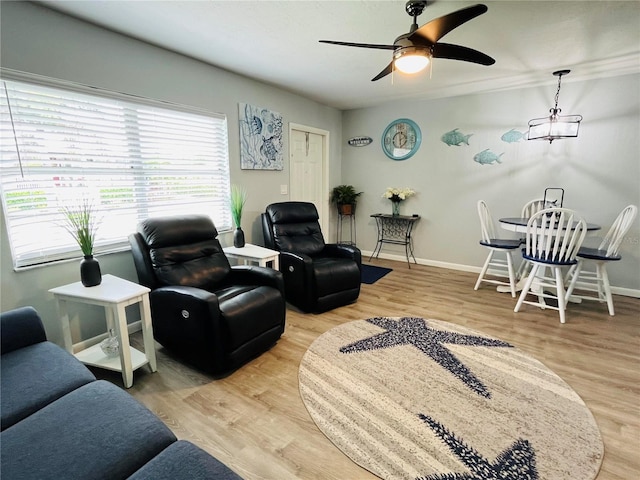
[255,422]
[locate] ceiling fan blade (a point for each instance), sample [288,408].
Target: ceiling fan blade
[361,45]
[388,69]
[439,27]
[457,52]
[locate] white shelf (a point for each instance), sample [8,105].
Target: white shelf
[95,357]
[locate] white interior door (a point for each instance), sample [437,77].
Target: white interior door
[308,167]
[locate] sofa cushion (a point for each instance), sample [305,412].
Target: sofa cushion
[97,431]
[34,376]
[184,461]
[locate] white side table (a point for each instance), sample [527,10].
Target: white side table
[114,294]
[254,253]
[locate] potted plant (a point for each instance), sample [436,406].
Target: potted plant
[237,200]
[345,197]
[81,222]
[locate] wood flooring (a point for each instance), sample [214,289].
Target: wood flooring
[255,422]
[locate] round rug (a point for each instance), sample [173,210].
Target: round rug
[424,399]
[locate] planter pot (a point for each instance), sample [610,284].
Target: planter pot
[238,238]
[346,208]
[90,274]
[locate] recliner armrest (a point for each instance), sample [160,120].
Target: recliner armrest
[253,275]
[179,291]
[343,251]
[20,328]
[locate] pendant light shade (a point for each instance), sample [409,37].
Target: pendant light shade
[555,126]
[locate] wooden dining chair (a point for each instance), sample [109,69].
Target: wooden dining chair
[553,238]
[497,267]
[596,279]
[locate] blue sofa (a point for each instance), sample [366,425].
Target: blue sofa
[58,421]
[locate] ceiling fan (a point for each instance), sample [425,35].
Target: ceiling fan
[413,51]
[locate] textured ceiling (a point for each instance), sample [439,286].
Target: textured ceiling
[277,42]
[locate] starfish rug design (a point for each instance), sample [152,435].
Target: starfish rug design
[416,332]
[518,462]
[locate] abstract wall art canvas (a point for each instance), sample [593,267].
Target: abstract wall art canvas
[261,141]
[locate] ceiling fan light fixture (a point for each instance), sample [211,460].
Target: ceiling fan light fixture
[411,59]
[555,126]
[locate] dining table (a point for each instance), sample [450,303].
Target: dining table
[519,225]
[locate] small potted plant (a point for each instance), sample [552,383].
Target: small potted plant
[81,222]
[345,197]
[237,200]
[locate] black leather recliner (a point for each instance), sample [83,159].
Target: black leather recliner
[318,276]
[214,316]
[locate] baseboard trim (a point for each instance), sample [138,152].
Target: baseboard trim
[626,292]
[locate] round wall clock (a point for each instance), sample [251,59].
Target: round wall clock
[401,139]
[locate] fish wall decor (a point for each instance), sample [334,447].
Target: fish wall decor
[487,157]
[513,136]
[455,138]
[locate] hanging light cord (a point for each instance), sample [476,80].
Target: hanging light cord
[13,127]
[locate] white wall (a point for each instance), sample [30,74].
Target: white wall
[39,41]
[599,170]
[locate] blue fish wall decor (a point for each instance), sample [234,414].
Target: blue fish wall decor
[487,157]
[455,138]
[513,136]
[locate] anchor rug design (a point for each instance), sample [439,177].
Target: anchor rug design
[409,398]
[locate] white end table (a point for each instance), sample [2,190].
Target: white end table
[114,294]
[254,253]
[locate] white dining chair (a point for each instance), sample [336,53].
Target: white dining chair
[553,238]
[595,279]
[528,209]
[531,207]
[495,266]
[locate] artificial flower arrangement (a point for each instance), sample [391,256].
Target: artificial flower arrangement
[398,194]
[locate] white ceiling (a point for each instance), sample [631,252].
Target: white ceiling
[277,42]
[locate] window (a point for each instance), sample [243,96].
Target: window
[61,147]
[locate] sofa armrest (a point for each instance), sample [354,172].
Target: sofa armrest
[20,328]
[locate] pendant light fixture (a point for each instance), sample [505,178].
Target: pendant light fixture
[555,125]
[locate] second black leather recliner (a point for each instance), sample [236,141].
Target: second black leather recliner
[318,276]
[214,316]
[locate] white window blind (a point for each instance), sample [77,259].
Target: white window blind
[130,161]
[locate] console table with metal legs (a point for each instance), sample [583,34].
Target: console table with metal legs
[395,230]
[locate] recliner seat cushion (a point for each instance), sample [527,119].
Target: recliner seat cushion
[238,306]
[98,431]
[51,372]
[335,275]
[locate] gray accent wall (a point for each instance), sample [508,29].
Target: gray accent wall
[40,41]
[599,170]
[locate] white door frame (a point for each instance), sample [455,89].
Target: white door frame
[324,210]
